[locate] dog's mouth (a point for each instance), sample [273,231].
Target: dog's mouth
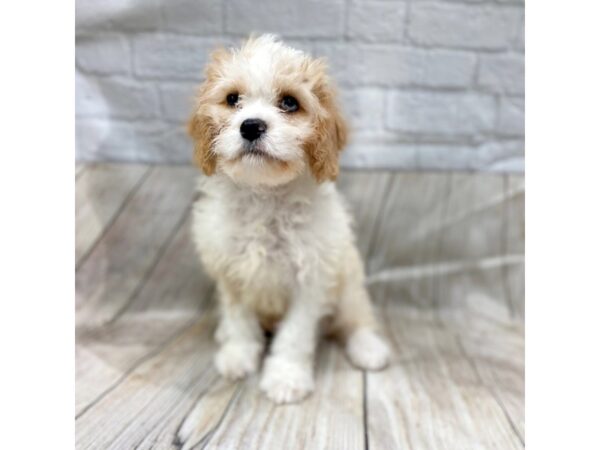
[256,151]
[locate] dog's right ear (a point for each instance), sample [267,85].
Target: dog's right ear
[201,126]
[202,130]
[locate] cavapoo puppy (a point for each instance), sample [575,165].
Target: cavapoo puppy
[270,226]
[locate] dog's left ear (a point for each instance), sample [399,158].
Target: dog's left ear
[330,135]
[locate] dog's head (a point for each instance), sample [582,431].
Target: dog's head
[266,113]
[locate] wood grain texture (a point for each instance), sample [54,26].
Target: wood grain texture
[365,195]
[107,351]
[471,238]
[100,193]
[440,315]
[166,303]
[79,169]
[177,282]
[514,241]
[333,416]
[499,359]
[410,218]
[131,247]
[155,394]
[431,397]
[330,418]
[444,254]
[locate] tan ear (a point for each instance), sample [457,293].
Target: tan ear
[201,126]
[202,131]
[328,141]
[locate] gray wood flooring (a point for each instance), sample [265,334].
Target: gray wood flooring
[445,259]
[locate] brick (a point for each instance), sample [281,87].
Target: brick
[376,155]
[137,15]
[93,15]
[309,18]
[339,62]
[172,57]
[356,65]
[114,140]
[377,22]
[502,73]
[101,140]
[303,44]
[177,100]
[511,117]
[364,108]
[440,104]
[494,156]
[514,165]
[173,146]
[519,42]
[440,113]
[130,15]
[120,98]
[502,156]
[445,157]
[463,26]
[455,1]
[103,53]
[201,17]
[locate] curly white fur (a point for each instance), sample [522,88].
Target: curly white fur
[281,249]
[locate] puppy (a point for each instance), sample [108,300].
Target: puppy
[270,227]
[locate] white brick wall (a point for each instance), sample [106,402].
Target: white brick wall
[426,84]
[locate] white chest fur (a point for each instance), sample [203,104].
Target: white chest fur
[269,239]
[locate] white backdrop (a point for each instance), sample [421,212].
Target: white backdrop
[426,85]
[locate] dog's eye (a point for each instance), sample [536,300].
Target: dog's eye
[289,104]
[232,99]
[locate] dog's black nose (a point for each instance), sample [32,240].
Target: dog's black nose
[252,129]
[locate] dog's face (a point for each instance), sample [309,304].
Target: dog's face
[266,113]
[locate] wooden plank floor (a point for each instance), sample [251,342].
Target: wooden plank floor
[444,255]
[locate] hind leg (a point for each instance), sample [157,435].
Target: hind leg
[354,323]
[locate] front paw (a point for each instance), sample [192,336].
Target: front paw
[235,360]
[285,380]
[367,350]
